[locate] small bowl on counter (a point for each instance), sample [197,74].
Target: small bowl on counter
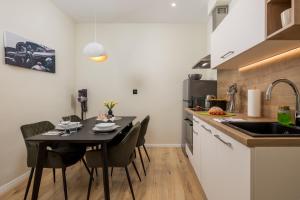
[195,77]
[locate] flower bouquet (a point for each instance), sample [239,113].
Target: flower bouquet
[110,105]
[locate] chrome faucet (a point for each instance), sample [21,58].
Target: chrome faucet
[296,91]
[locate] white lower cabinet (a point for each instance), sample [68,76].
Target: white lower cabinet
[229,170]
[233,169]
[223,164]
[208,157]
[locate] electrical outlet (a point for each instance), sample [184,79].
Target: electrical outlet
[134,91]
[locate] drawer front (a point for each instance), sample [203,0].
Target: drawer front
[196,122]
[201,126]
[222,138]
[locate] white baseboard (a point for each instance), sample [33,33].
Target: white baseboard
[12,184]
[163,145]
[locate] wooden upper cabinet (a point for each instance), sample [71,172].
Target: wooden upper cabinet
[274,28]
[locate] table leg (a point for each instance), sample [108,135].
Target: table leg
[39,171]
[105,172]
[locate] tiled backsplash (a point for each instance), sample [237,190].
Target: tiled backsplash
[260,78]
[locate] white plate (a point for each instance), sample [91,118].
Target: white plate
[67,127]
[64,123]
[97,129]
[105,125]
[68,123]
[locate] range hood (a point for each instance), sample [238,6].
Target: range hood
[204,63]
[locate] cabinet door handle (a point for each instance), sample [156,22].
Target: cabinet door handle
[207,129]
[223,141]
[195,132]
[227,54]
[195,121]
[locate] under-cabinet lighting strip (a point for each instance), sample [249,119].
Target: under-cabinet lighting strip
[275,58]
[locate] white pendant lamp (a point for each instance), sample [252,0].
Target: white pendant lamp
[94,50]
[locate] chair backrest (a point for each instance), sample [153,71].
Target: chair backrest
[143,131]
[122,153]
[36,128]
[73,118]
[32,130]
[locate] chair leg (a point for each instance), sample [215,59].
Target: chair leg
[53,171]
[85,165]
[111,171]
[65,183]
[146,152]
[90,184]
[129,181]
[142,160]
[28,183]
[137,172]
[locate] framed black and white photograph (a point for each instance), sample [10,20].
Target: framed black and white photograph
[24,53]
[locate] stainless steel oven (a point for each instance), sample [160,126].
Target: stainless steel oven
[188,122]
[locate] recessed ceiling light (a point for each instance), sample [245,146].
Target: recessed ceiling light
[173,4]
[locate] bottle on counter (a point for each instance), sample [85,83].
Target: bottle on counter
[284,115]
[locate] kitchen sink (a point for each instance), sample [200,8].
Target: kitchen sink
[265,129]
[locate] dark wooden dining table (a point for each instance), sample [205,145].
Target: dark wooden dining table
[84,136]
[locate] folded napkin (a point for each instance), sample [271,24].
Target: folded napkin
[52,133]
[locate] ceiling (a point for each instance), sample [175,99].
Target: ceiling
[135,11]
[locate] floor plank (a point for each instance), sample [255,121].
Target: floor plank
[169,176]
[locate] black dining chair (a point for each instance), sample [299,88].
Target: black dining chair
[120,155]
[57,156]
[72,118]
[141,140]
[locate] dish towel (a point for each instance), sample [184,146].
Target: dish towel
[228,120]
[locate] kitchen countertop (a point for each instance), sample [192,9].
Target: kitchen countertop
[244,138]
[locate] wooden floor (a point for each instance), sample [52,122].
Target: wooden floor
[170,177]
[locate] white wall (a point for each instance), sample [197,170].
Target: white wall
[29,96]
[153,58]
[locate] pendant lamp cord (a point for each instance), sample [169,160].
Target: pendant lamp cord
[95,27]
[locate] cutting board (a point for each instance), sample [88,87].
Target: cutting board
[206,113]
